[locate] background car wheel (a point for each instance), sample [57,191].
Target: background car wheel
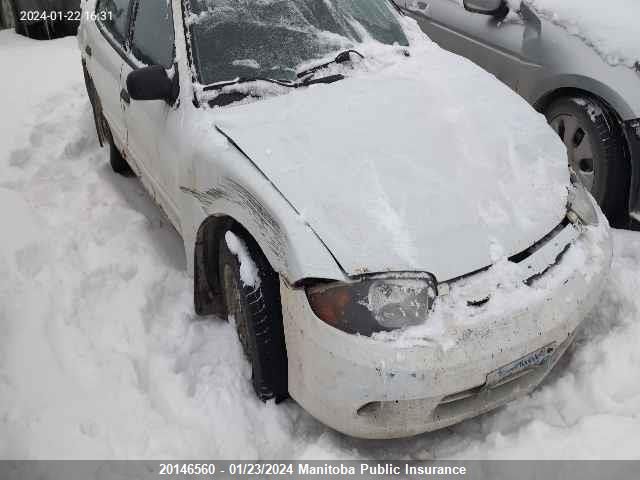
[258,315]
[595,146]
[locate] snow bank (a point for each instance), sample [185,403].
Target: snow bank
[610,27]
[102,356]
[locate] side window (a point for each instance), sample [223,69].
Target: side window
[114,15]
[153,36]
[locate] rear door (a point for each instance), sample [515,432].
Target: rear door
[503,48]
[104,51]
[152,43]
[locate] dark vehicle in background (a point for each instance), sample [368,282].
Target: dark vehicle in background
[593,105]
[45,19]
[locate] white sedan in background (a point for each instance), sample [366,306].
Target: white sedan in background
[395,233]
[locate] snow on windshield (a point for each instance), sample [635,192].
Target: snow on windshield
[271,38]
[610,27]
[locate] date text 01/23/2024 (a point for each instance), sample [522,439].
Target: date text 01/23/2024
[249,469]
[62,15]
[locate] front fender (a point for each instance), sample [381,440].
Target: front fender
[224,183]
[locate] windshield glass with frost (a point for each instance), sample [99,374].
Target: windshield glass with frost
[273,38]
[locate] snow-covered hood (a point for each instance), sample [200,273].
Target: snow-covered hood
[610,27]
[428,164]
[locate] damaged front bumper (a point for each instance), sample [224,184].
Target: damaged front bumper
[497,351]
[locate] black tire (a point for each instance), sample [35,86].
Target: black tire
[258,316]
[118,163]
[607,173]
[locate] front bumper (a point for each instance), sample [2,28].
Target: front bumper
[371,388]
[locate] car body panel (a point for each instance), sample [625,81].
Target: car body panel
[415,192]
[236,189]
[149,127]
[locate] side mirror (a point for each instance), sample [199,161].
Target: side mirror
[151,83]
[495,8]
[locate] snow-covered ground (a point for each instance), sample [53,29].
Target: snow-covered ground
[102,356]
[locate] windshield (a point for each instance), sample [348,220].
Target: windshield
[273,38]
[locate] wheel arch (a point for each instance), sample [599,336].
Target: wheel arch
[548,98]
[232,194]
[208,295]
[548,90]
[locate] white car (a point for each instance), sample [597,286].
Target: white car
[395,233]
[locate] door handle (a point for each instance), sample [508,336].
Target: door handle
[88,50]
[124,95]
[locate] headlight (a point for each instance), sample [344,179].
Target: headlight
[374,304]
[580,203]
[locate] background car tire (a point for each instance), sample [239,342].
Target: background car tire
[118,163]
[589,130]
[258,316]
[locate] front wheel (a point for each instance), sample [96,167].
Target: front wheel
[252,297]
[595,147]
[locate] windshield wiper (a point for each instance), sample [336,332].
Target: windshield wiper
[226,98]
[397,7]
[342,57]
[284,83]
[238,81]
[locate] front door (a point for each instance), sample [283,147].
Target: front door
[506,48]
[152,43]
